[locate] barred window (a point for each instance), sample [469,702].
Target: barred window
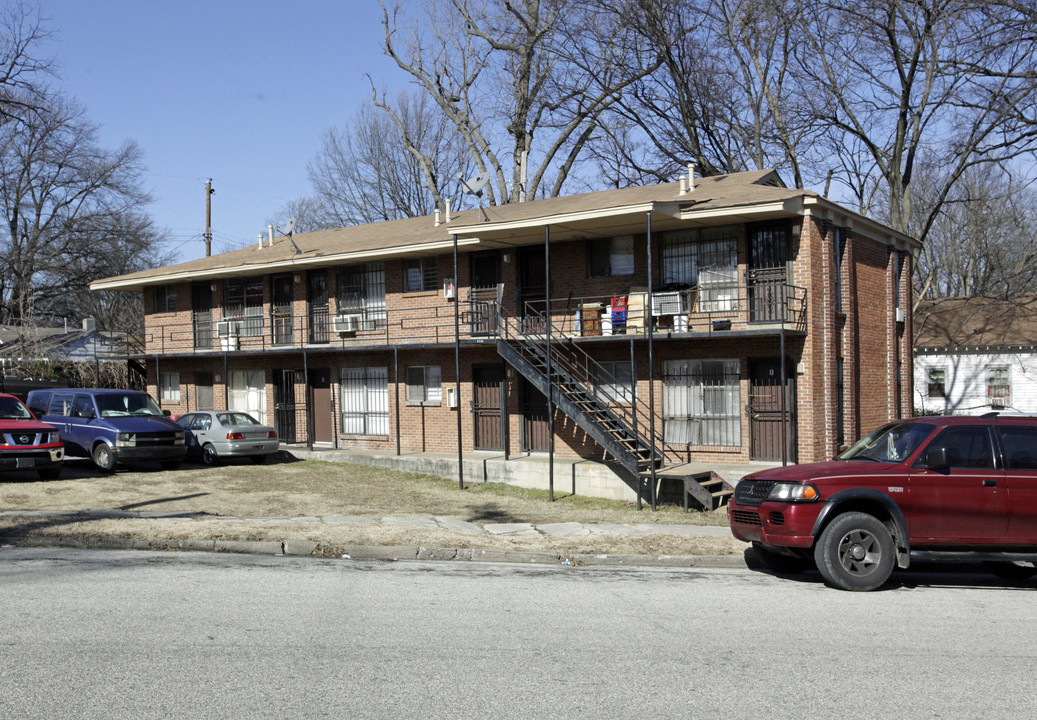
[706,258]
[243,302]
[701,402]
[420,274]
[361,290]
[365,400]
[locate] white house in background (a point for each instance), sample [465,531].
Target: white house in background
[976,355]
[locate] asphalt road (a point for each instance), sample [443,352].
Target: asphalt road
[94,634]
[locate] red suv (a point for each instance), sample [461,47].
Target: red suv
[930,488]
[26,443]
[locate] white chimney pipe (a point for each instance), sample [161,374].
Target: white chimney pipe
[691,176]
[270,235]
[448,209]
[437,216]
[684,184]
[260,241]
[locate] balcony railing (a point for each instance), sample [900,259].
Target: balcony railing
[705,310]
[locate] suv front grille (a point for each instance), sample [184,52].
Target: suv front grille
[745,517]
[752,492]
[27,439]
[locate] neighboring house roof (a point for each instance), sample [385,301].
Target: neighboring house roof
[748,195]
[976,324]
[54,343]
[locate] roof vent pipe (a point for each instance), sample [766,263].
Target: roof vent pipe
[270,235]
[448,210]
[437,216]
[684,184]
[691,176]
[260,241]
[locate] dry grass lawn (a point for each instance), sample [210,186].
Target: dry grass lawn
[274,497]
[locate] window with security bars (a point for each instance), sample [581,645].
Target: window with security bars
[424,385]
[706,259]
[999,388]
[243,303]
[364,397]
[420,274]
[701,403]
[361,290]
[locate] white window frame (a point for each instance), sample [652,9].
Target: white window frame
[247,393]
[929,381]
[424,385]
[999,376]
[621,391]
[169,387]
[620,255]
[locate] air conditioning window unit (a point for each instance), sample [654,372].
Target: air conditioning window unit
[346,323]
[669,303]
[227,328]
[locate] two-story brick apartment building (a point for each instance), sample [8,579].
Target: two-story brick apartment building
[442,335]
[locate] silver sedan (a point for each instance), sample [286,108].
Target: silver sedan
[215,435]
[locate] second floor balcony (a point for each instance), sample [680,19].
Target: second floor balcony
[756,305]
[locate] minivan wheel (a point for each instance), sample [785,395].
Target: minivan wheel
[104,458]
[855,552]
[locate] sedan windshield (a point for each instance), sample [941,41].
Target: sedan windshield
[890,443]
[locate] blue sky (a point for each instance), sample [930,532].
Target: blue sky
[225,89]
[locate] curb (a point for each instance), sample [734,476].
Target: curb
[385,553]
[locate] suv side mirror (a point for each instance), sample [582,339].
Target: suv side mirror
[936,458]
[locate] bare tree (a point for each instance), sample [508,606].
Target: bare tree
[724,96]
[71,210]
[22,70]
[522,82]
[984,240]
[896,80]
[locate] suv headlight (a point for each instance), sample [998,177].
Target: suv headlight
[794,492]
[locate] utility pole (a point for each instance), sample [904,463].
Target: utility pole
[208,217]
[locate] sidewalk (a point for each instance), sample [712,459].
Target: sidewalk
[302,547]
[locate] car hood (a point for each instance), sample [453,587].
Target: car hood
[819,470]
[141,424]
[25,425]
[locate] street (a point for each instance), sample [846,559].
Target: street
[93,634]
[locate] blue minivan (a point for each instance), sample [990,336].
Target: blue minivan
[110,426]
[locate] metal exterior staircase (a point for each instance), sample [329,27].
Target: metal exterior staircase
[625,431]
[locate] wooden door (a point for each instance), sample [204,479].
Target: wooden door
[488,407]
[532,288]
[320,405]
[203,388]
[770,421]
[536,429]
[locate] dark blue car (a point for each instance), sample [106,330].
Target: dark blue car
[111,426]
